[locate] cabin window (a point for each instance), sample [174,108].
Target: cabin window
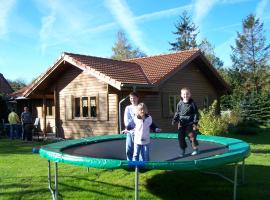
[85,107]
[173,101]
[77,112]
[93,106]
[206,102]
[49,106]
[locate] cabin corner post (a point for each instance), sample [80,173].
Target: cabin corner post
[57,111]
[44,113]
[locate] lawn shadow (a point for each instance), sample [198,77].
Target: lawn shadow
[263,137]
[8,146]
[193,185]
[65,185]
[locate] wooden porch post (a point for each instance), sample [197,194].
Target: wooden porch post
[44,114]
[56,106]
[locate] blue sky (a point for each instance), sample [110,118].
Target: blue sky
[34,33]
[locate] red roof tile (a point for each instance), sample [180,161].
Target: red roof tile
[144,70]
[122,71]
[147,70]
[158,67]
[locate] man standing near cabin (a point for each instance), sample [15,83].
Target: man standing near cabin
[13,120]
[26,119]
[130,112]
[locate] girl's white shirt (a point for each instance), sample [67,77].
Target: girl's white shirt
[142,130]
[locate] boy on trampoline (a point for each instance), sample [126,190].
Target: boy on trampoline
[187,117]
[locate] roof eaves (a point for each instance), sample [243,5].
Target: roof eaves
[213,69]
[39,80]
[89,70]
[179,67]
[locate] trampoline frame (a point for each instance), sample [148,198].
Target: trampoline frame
[243,151]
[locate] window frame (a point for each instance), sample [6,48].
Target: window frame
[206,101]
[50,107]
[88,117]
[176,99]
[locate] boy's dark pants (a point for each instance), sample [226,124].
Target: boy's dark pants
[187,131]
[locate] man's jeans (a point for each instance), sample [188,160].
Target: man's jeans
[141,149]
[13,131]
[129,145]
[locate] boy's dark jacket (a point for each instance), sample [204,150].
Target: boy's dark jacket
[186,113]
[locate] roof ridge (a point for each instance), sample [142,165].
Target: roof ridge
[98,57]
[164,54]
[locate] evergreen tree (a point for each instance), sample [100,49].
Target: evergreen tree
[250,55]
[249,77]
[186,33]
[209,51]
[123,50]
[17,84]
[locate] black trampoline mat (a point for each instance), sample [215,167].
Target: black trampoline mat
[160,150]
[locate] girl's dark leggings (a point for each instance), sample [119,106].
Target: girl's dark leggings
[187,131]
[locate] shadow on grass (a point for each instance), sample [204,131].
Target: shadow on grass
[67,184]
[8,146]
[263,137]
[191,185]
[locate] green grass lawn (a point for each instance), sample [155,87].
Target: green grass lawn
[23,175]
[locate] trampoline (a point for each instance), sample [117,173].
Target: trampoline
[108,152]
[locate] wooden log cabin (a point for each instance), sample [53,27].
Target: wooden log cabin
[79,95]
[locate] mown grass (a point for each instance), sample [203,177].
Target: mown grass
[23,175]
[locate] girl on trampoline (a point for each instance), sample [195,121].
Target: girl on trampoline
[142,122]
[187,117]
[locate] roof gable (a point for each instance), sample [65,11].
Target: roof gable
[4,85]
[147,71]
[121,71]
[156,68]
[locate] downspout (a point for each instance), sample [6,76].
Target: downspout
[119,111]
[119,114]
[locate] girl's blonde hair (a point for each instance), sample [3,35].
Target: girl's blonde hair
[142,106]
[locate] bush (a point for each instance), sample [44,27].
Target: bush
[212,123]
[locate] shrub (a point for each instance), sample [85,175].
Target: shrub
[212,123]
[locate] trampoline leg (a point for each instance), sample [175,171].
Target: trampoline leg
[88,169]
[243,172]
[136,182]
[56,180]
[235,181]
[53,191]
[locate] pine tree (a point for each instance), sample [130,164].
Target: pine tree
[123,50]
[17,84]
[209,51]
[186,33]
[251,54]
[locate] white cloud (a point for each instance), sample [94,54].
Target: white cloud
[163,13]
[6,7]
[125,18]
[260,8]
[201,9]
[62,21]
